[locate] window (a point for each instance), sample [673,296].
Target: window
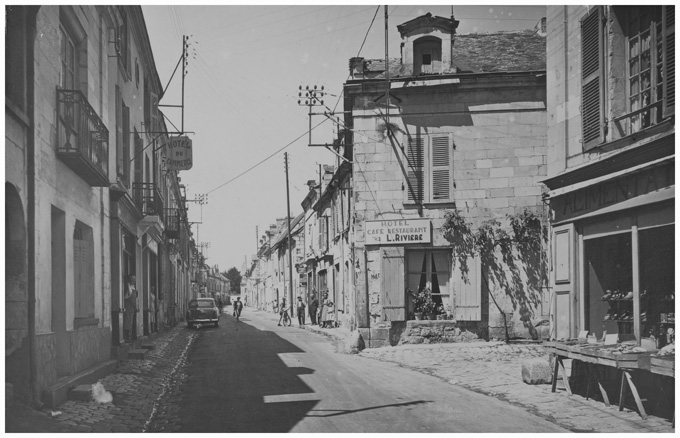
[69,60]
[427,59]
[123,46]
[122,138]
[429,270]
[650,47]
[430,168]
[15,56]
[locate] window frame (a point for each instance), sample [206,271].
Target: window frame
[417,254]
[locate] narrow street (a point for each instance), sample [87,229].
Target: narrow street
[253,376]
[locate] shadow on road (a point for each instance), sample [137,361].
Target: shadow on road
[230,372]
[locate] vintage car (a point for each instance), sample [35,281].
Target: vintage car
[202,311]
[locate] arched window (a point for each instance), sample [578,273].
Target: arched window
[427,55]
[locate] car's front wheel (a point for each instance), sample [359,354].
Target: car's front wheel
[190,325]
[217,323]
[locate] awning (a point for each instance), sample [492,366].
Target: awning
[665,194]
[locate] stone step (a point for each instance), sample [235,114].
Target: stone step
[81,393]
[137,354]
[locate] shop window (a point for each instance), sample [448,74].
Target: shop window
[657,284]
[430,169]
[430,270]
[608,294]
[83,270]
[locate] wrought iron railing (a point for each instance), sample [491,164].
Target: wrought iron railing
[81,131]
[172,222]
[148,199]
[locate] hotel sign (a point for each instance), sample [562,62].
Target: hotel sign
[179,153]
[398,232]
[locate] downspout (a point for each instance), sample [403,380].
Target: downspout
[30,208]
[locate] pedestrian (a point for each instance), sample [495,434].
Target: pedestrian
[301,312]
[326,312]
[219,304]
[282,310]
[130,307]
[239,308]
[235,306]
[152,310]
[313,308]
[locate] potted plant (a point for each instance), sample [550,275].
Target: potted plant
[422,302]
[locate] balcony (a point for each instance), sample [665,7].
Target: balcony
[172,220]
[148,199]
[83,140]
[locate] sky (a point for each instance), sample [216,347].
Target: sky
[244,68]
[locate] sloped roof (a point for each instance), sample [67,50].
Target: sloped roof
[502,51]
[511,51]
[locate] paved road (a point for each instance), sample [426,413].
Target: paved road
[252,376]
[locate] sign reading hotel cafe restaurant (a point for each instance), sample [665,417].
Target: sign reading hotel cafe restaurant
[398,231]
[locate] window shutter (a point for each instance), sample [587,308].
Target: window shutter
[415,168]
[393,290]
[591,79]
[441,167]
[669,59]
[126,145]
[468,289]
[138,159]
[119,133]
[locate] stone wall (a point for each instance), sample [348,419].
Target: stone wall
[444,331]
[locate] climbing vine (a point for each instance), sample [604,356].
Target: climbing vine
[506,252]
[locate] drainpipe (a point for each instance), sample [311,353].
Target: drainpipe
[30,208]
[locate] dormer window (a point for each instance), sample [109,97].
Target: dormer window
[427,55]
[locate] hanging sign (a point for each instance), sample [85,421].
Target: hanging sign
[398,231]
[179,153]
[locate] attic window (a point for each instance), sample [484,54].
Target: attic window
[427,59]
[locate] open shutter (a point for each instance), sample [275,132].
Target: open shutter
[669,59]
[119,133]
[126,145]
[441,168]
[393,290]
[468,290]
[415,168]
[138,159]
[591,79]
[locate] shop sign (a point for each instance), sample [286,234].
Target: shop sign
[398,232]
[179,153]
[592,198]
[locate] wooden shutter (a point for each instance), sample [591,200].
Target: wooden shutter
[669,59]
[415,168]
[119,133]
[591,79]
[468,290]
[441,186]
[138,159]
[393,290]
[126,145]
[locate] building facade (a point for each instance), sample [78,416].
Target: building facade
[611,167]
[464,129]
[86,193]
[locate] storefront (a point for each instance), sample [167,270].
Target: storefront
[613,243]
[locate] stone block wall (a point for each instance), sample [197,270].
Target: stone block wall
[431,332]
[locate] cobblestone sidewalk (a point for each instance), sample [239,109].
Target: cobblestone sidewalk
[494,369]
[140,388]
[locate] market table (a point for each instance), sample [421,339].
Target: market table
[599,354]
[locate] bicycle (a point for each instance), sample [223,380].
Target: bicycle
[286,319]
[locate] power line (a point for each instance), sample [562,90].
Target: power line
[267,158]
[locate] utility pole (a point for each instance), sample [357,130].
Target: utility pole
[290,232]
[185,46]
[387,72]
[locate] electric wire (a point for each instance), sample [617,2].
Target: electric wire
[268,157]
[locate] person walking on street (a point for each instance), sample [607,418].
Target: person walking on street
[130,306]
[235,306]
[326,312]
[239,308]
[301,312]
[313,308]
